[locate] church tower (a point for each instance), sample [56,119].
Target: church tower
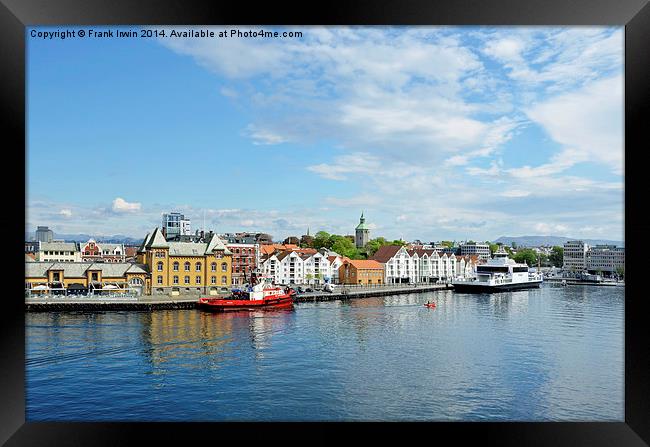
[362,233]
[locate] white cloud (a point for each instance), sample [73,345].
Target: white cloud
[588,122]
[418,121]
[548,229]
[122,206]
[264,137]
[506,49]
[66,212]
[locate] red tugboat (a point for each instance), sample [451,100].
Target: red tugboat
[261,296]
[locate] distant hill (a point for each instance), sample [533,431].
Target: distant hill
[114,239]
[535,241]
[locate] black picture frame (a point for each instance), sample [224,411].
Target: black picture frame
[15,15]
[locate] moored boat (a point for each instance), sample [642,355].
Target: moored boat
[263,295]
[500,274]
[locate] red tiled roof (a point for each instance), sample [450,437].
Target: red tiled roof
[365,264]
[385,253]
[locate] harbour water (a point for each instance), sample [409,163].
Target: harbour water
[548,354]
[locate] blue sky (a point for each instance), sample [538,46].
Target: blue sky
[434,132]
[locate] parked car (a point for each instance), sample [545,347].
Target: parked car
[309,289]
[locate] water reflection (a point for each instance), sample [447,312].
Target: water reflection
[544,354]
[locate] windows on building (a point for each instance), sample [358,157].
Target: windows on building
[198,280]
[224,267]
[187,279]
[198,266]
[175,279]
[213,280]
[175,266]
[214,266]
[224,280]
[187,266]
[160,279]
[160,266]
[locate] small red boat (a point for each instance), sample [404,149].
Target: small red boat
[430,305]
[261,296]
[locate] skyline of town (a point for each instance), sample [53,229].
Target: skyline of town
[421,128]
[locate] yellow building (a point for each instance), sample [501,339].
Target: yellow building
[186,267]
[46,278]
[361,272]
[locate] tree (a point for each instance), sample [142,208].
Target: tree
[514,245]
[345,247]
[309,277]
[620,271]
[557,256]
[527,255]
[542,259]
[306,241]
[493,247]
[398,242]
[374,244]
[448,244]
[321,239]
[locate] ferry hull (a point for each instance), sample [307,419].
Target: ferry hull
[483,288]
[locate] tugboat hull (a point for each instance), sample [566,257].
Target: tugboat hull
[225,304]
[483,288]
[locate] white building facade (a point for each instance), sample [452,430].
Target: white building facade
[575,255]
[475,248]
[316,267]
[335,263]
[58,252]
[423,265]
[605,258]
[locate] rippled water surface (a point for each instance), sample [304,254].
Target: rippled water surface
[543,354]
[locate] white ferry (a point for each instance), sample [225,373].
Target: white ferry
[499,274]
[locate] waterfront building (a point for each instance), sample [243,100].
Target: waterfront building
[245,261]
[316,268]
[399,267]
[475,248]
[84,278]
[362,233]
[290,268]
[354,271]
[58,252]
[336,261]
[268,249]
[605,258]
[175,224]
[575,255]
[44,234]
[466,266]
[296,265]
[188,267]
[420,265]
[92,251]
[433,266]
